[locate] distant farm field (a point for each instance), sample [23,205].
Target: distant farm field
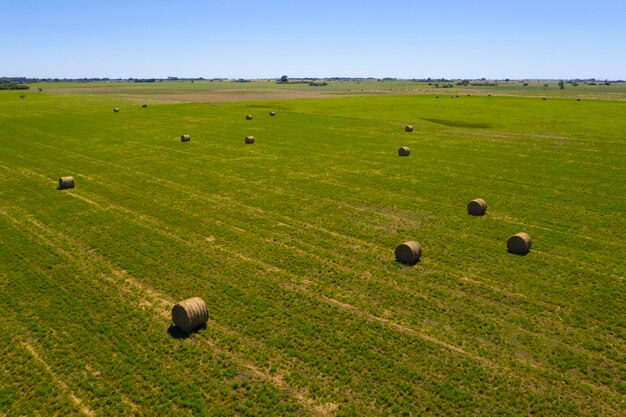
[290,241]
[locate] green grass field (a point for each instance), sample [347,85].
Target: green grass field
[291,240]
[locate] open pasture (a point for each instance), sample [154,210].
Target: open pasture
[219,91]
[290,241]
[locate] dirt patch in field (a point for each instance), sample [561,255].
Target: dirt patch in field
[162,95]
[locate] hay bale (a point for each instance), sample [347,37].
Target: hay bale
[190,314]
[477,207]
[250,139]
[404,151]
[248,117]
[519,243]
[409,252]
[116,110]
[272,113]
[185,138]
[66,182]
[408,128]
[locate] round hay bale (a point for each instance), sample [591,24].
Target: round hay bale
[519,243]
[250,139]
[408,128]
[404,151]
[116,110]
[477,207]
[144,106]
[190,314]
[409,252]
[66,182]
[185,138]
[248,117]
[272,113]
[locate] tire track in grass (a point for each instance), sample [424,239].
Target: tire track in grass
[160,306]
[554,340]
[295,283]
[151,224]
[131,285]
[410,291]
[57,380]
[458,274]
[382,251]
[155,225]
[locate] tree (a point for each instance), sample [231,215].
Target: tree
[284,79]
[561,85]
[22,96]
[546,85]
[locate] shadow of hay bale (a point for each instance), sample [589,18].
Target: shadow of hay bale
[178,333]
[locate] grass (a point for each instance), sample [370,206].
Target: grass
[290,242]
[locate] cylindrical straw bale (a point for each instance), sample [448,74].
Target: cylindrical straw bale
[116,110]
[272,113]
[66,182]
[190,314]
[409,252]
[408,128]
[185,138]
[404,151]
[519,243]
[250,139]
[248,117]
[477,207]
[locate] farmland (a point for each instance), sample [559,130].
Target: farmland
[290,242]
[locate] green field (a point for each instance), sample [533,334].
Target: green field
[291,240]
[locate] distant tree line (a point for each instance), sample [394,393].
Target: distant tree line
[19,83]
[6,85]
[484,84]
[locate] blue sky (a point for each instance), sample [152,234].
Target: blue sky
[266,39]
